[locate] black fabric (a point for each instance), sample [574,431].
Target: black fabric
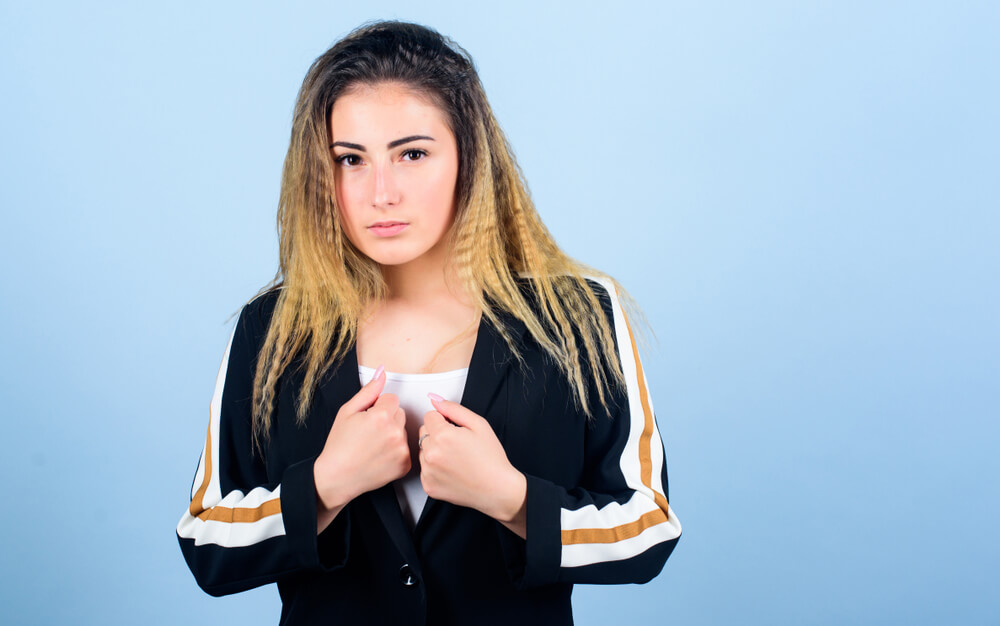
[457,566]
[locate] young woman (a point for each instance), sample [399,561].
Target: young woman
[433,415]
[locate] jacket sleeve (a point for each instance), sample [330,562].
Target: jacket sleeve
[242,529]
[616,526]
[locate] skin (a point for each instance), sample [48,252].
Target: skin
[397,161]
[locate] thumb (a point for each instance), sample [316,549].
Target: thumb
[434,420]
[367,395]
[455,412]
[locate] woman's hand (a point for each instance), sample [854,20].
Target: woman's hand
[462,462]
[365,449]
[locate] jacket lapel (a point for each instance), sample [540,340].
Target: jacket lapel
[344,384]
[491,357]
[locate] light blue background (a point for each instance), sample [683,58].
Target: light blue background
[802,196]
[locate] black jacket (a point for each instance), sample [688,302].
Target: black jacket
[596,505]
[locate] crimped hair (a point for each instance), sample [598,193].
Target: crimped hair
[325,283]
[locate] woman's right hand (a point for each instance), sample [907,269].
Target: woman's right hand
[366,448]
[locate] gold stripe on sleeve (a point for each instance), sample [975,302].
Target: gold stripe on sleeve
[618,533]
[645,441]
[223,513]
[651,518]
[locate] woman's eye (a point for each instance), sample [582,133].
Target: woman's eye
[349,160]
[414,154]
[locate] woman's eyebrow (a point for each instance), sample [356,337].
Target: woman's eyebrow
[350,146]
[392,144]
[398,142]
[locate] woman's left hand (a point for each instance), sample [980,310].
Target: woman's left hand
[462,462]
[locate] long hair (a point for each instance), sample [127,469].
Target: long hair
[326,283]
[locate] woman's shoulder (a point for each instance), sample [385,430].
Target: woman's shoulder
[258,310]
[605,288]
[606,302]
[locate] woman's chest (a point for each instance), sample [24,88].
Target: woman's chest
[528,406]
[418,341]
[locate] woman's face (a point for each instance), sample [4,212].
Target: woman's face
[396,167]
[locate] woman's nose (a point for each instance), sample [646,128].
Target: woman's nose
[386,191]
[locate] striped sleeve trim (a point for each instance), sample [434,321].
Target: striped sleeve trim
[235,520]
[620,531]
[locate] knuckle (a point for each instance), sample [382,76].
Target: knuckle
[389,399]
[427,481]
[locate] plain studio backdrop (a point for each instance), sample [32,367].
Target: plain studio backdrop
[801,195]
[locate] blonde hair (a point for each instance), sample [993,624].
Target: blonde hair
[326,283]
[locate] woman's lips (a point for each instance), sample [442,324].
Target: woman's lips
[387,229]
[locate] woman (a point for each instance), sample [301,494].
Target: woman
[432,416]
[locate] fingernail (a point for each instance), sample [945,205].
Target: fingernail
[378,371]
[435,397]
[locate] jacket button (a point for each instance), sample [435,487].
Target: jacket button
[406,576]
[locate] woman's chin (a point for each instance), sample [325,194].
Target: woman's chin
[395,258]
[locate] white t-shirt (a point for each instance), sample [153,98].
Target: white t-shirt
[412,390]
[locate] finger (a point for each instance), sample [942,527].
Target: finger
[388,402]
[455,412]
[433,421]
[367,395]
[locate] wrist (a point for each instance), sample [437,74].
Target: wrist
[330,495]
[512,496]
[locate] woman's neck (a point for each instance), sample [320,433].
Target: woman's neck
[427,323]
[427,279]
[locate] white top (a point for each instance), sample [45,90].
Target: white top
[412,390]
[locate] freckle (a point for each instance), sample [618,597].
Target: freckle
[407,338]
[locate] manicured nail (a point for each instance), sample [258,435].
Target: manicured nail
[435,397]
[378,371]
